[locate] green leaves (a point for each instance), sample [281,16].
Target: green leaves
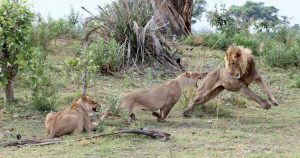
[15,31]
[263,17]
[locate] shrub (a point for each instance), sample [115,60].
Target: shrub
[113,103]
[220,41]
[189,40]
[281,55]
[216,41]
[42,88]
[46,30]
[105,54]
[247,41]
[285,35]
[101,55]
[193,40]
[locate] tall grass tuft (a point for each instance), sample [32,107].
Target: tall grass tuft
[133,24]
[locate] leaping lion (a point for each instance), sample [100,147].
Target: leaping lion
[238,74]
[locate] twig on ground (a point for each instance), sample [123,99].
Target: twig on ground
[41,142]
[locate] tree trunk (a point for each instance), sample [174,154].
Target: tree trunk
[176,13]
[12,75]
[185,9]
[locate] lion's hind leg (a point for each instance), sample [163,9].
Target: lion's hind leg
[164,113]
[156,114]
[202,97]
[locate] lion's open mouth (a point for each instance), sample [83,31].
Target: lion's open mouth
[95,109]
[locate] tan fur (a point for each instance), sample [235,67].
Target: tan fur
[162,97]
[238,74]
[71,120]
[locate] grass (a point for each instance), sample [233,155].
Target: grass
[247,131]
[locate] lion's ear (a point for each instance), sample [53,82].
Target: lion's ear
[187,74]
[83,97]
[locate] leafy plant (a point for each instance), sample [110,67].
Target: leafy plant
[281,55]
[15,32]
[193,40]
[113,103]
[42,88]
[247,41]
[47,30]
[224,22]
[105,55]
[216,41]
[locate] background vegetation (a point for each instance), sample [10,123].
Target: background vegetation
[122,51]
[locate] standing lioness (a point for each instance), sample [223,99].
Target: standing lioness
[238,74]
[162,97]
[71,120]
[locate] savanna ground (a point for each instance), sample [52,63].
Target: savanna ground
[234,127]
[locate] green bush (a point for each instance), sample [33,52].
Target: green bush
[113,103]
[104,54]
[101,55]
[216,41]
[42,88]
[46,30]
[193,40]
[285,35]
[248,41]
[189,40]
[281,55]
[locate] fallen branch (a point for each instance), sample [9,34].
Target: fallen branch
[32,142]
[143,131]
[148,132]
[41,142]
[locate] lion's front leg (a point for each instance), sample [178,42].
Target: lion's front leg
[264,88]
[87,124]
[263,103]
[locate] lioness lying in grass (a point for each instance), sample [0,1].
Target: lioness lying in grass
[162,97]
[71,120]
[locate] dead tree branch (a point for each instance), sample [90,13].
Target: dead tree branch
[41,142]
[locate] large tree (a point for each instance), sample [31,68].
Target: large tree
[15,32]
[255,13]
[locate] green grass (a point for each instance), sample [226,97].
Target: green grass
[247,131]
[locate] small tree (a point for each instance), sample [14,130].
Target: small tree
[199,8]
[15,32]
[73,18]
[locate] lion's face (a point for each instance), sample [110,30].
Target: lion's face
[89,103]
[191,78]
[233,61]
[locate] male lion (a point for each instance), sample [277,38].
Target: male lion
[71,120]
[238,74]
[162,97]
